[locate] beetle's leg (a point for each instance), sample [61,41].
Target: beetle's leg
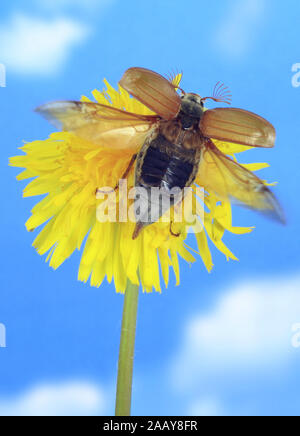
[171,231]
[124,176]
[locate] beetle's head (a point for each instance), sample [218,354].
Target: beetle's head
[192,105]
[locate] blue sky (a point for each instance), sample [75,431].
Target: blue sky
[230,331]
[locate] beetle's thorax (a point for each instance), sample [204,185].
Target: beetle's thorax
[184,138]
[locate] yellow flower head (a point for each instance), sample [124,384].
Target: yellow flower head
[69,170]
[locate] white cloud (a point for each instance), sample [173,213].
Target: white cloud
[239,28]
[249,330]
[65,399]
[206,407]
[37,46]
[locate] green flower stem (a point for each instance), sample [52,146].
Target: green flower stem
[126,353]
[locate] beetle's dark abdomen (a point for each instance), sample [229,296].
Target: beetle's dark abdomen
[164,165]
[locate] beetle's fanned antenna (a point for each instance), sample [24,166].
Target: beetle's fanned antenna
[174,77]
[171,75]
[222,93]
